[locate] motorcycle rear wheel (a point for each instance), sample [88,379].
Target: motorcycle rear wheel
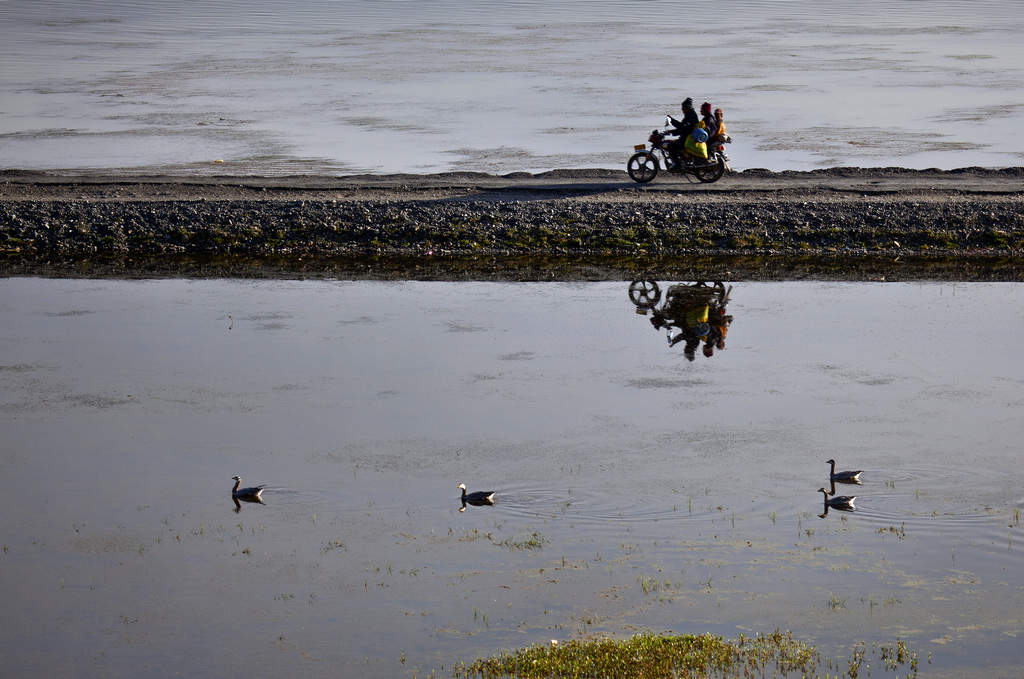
[642,167]
[644,294]
[711,174]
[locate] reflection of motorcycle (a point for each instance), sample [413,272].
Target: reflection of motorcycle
[690,312]
[643,165]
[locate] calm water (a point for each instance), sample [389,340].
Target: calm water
[637,489]
[344,86]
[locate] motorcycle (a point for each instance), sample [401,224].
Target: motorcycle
[643,166]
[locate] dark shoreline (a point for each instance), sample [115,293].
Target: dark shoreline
[841,223]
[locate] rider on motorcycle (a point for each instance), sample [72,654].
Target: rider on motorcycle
[683,127]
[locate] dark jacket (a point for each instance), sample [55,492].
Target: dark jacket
[711,125]
[686,125]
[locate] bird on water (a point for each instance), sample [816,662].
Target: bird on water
[480,497]
[838,501]
[246,493]
[849,477]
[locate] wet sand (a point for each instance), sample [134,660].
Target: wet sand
[840,222]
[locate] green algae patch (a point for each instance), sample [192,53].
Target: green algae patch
[649,656]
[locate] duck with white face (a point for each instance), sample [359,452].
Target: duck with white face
[476,498]
[249,494]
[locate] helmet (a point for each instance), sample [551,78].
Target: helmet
[700,134]
[705,109]
[719,114]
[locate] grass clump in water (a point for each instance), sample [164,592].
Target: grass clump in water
[649,656]
[535,541]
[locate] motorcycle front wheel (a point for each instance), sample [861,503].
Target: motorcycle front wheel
[642,167]
[712,173]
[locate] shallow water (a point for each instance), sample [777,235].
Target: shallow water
[344,86]
[636,489]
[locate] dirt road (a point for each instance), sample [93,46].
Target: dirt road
[595,184]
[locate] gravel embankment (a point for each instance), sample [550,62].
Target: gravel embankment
[974,216]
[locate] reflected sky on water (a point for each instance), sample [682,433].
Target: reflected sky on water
[351,86]
[617,459]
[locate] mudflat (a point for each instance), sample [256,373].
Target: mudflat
[592,218]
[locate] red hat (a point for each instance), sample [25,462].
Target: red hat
[705,108]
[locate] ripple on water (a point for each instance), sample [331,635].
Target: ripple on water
[590,507]
[929,502]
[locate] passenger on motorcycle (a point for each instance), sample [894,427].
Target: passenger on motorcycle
[710,124]
[696,144]
[720,121]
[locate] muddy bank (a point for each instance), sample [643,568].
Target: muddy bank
[878,223]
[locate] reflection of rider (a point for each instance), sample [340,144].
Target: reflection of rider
[719,322]
[693,315]
[690,350]
[660,320]
[686,310]
[683,128]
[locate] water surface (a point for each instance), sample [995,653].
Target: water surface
[345,86]
[636,489]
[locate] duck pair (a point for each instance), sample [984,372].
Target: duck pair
[840,501]
[252,494]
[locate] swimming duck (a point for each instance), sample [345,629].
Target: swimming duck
[843,476]
[479,497]
[838,501]
[246,493]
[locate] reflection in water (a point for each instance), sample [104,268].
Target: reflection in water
[690,313]
[824,514]
[239,500]
[832,490]
[476,503]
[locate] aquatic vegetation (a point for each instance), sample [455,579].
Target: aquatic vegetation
[534,541]
[835,602]
[650,585]
[900,532]
[331,545]
[893,658]
[650,656]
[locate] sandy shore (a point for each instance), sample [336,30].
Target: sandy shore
[844,222]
